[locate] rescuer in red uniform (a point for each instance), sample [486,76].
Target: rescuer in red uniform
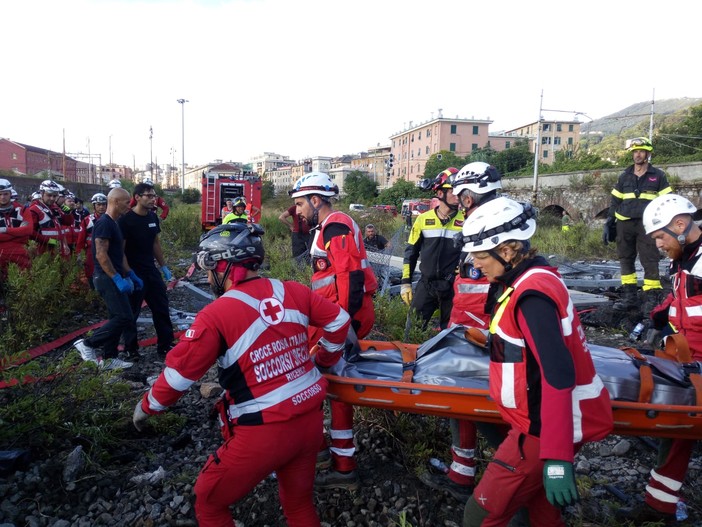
[342,274]
[85,239]
[15,230]
[473,185]
[668,219]
[49,221]
[272,406]
[542,377]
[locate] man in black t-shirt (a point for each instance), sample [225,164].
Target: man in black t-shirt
[114,280]
[140,228]
[374,241]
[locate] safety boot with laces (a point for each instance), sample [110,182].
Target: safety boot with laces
[444,483]
[332,479]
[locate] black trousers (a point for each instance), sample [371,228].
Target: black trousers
[430,295]
[154,293]
[632,239]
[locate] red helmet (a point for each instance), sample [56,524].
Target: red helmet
[443,181]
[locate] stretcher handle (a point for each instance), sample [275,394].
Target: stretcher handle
[678,349]
[645,373]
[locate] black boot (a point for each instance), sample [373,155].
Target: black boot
[651,299]
[629,299]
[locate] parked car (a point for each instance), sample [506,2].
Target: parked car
[389,209]
[356,207]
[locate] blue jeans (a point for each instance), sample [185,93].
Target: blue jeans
[120,317]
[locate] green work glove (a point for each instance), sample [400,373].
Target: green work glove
[53,242]
[559,483]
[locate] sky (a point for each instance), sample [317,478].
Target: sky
[321,77]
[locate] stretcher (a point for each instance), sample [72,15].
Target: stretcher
[652,395]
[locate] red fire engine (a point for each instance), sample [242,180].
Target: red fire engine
[217,188]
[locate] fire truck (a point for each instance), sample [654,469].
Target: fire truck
[218,187]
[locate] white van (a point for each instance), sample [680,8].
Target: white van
[356,207]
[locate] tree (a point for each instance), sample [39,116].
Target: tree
[513,159]
[399,192]
[267,191]
[440,161]
[359,188]
[191,195]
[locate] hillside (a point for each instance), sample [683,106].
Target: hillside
[616,123]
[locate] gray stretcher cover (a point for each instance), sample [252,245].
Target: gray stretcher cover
[448,359]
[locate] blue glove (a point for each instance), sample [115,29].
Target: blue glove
[559,483]
[138,282]
[124,286]
[166,273]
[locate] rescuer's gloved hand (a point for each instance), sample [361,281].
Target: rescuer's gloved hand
[53,242]
[559,483]
[166,273]
[653,338]
[65,208]
[406,293]
[609,233]
[140,417]
[124,285]
[138,282]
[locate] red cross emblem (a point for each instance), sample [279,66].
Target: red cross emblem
[271,311]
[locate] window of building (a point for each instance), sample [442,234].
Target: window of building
[14,156]
[507,144]
[412,169]
[557,140]
[545,154]
[427,150]
[546,127]
[453,128]
[474,147]
[452,147]
[476,130]
[546,140]
[429,133]
[558,127]
[412,154]
[413,138]
[419,152]
[419,135]
[570,128]
[570,140]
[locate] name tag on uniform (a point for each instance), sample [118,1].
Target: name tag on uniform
[430,222]
[153,225]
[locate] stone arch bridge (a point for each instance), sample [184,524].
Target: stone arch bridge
[586,195]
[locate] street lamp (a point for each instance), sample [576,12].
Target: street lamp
[182,146]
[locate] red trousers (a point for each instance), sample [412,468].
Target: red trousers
[464,437]
[663,489]
[514,479]
[289,448]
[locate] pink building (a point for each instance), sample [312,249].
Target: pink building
[32,160]
[413,147]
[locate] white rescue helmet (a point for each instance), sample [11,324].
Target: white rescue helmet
[5,185]
[499,220]
[98,198]
[661,211]
[115,183]
[49,186]
[148,181]
[478,177]
[314,183]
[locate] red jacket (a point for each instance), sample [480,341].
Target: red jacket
[15,230]
[49,223]
[262,352]
[342,272]
[469,296]
[683,306]
[561,416]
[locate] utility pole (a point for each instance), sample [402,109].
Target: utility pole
[182,146]
[151,155]
[537,145]
[650,124]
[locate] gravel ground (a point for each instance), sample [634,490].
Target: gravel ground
[149,481]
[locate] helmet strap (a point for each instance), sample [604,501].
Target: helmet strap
[680,237]
[506,265]
[315,214]
[218,286]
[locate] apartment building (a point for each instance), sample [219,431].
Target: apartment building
[413,146]
[553,137]
[269,161]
